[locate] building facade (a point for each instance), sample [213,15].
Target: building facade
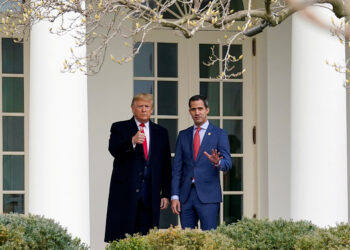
[285,117]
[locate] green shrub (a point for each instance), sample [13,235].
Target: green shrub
[264,234]
[332,238]
[174,238]
[34,232]
[135,242]
[245,234]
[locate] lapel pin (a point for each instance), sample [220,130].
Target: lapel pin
[209,133]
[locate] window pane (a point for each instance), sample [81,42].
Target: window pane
[13,172]
[234,129]
[143,86]
[173,10]
[233,178]
[171,126]
[13,133]
[212,91]
[167,98]
[143,61]
[233,208]
[215,122]
[232,93]
[14,203]
[12,94]
[235,51]
[12,56]
[167,59]
[206,51]
[236,5]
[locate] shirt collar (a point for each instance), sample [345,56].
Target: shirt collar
[204,126]
[138,123]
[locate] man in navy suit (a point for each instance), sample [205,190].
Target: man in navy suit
[202,151]
[141,177]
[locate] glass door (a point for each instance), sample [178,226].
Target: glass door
[13,117]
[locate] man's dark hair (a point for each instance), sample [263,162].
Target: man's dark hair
[197,98]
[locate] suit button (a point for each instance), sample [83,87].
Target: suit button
[143,180]
[137,190]
[140,173]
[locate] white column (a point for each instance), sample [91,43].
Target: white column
[318,125]
[58,131]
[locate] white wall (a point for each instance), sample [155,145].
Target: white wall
[262,129]
[109,97]
[58,180]
[274,120]
[278,121]
[318,129]
[348,135]
[348,130]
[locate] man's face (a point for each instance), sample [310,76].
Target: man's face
[198,112]
[142,110]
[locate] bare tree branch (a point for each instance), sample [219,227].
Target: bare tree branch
[105,20]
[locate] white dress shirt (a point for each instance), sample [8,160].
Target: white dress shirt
[204,128]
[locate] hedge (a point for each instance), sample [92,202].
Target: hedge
[245,234]
[264,234]
[174,238]
[332,238]
[35,232]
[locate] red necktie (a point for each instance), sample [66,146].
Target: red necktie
[196,143]
[145,141]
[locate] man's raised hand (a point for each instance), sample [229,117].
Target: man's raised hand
[215,156]
[139,137]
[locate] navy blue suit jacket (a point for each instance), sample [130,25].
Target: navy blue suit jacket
[207,177]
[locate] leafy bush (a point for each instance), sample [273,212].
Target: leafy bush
[135,242]
[245,234]
[331,238]
[264,234]
[174,238]
[34,232]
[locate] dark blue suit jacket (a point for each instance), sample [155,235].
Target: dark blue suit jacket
[207,178]
[128,173]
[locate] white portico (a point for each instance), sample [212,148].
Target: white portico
[296,168]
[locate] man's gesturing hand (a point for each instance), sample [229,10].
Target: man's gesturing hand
[175,206]
[214,157]
[138,138]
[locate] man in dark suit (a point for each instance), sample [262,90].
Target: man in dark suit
[202,151]
[141,177]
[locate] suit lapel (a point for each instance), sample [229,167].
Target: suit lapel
[152,134]
[190,136]
[133,126]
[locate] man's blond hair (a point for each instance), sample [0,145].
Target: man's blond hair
[143,97]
